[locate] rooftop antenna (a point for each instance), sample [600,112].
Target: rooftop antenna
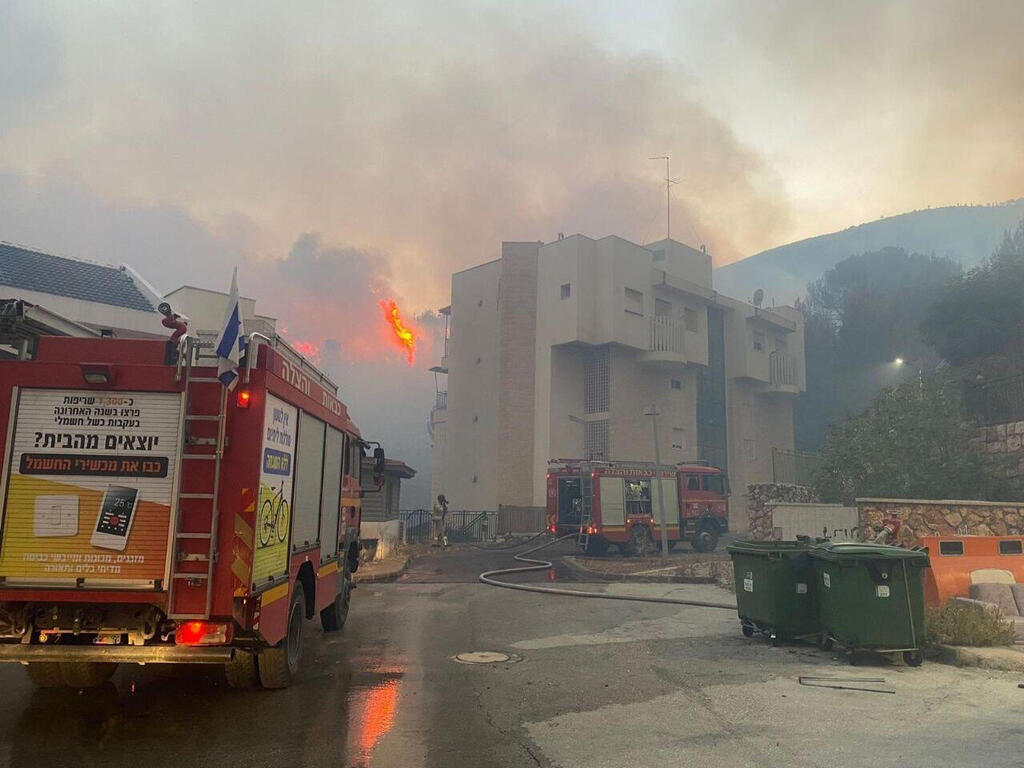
[669,181]
[758,299]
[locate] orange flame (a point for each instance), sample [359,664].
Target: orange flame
[404,336]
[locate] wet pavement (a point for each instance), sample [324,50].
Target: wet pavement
[599,683]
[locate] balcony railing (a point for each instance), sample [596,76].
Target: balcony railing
[442,401]
[667,334]
[783,369]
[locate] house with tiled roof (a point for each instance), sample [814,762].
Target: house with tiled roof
[106,299]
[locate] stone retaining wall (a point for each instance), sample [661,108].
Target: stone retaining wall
[761,497]
[924,517]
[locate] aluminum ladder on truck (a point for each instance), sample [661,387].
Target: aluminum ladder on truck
[587,513]
[182,575]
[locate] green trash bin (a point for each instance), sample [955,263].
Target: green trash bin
[871,596]
[775,588]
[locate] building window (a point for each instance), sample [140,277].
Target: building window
[566,290]
[662,308]
[690,318]
[678,439]
[596,375]
[758,341]
[677,384]
[595,440]
[750,449]
[634,302]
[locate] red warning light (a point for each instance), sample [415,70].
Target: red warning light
[243,398]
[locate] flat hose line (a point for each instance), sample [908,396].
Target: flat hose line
[540,565]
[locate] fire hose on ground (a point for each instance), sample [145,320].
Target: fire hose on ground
[487,577]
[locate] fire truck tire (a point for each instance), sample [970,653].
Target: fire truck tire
[241,670]
[332,618]
[640,541]
[706,539]
[279,665]
[45,674]
[86,674]
[596,546]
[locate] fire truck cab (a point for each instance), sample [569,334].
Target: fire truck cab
[617,503]
[149,515]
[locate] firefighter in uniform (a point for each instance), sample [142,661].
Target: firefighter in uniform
[437,516]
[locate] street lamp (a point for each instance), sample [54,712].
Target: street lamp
[899,362]
[653,411]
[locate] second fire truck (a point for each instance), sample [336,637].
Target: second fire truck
[617,502]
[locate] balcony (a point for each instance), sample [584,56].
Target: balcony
[442,401]
[782,373]
[667,345]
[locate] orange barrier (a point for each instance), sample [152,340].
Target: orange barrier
[954,558]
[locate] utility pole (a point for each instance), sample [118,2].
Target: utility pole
[653,412]
[669,181]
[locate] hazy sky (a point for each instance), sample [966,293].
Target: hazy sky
[342,150]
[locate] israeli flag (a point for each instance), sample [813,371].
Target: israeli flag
[231,343]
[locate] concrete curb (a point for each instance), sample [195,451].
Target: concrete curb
[579,569]
[390,573]
[1005,659]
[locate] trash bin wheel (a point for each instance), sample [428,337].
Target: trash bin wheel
[747,628]
[913,658]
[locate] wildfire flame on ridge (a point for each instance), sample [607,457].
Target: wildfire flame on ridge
[403,335]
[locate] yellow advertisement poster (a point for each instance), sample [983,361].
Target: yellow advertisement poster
[90,484]
[274,503]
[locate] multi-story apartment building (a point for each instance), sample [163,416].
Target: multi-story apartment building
[554,351]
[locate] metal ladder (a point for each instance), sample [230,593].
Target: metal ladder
[181,577]
[587,514]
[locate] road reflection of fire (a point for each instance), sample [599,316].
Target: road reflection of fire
[373,714]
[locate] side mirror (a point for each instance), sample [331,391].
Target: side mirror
[379,461]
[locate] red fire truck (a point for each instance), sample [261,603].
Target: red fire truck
[617,503]
[148,515]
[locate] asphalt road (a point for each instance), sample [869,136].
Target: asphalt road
[599,683]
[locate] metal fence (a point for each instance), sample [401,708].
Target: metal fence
[995,402]
[462,525]
[794,467]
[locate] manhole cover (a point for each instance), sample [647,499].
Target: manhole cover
[486,657]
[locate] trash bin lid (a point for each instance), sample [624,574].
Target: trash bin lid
[836,551]
[766,548]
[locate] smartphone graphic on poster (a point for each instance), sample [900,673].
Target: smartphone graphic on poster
[117,513]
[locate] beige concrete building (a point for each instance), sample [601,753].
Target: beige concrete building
[554,350]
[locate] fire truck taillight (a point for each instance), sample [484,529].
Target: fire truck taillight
[202,633]
[243,398]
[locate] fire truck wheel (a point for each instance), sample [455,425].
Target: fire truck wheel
[639,541]
[86,674]
[241,670]
[332,618]
[45,674]
[706,539]
[278,665]
[596,546]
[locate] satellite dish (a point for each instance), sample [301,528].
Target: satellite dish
[758,297]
